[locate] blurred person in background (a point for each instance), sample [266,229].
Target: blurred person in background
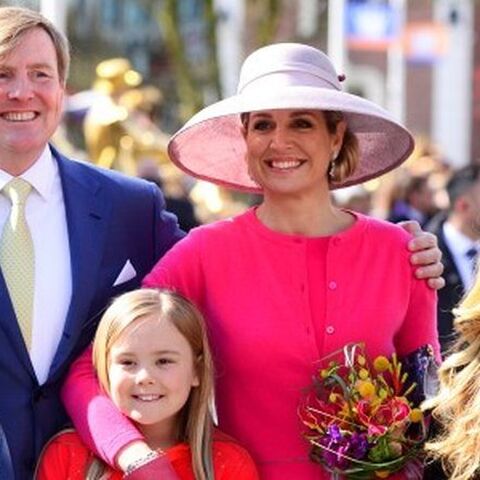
[458,233]
[412,199]
[356,198]
[175,189]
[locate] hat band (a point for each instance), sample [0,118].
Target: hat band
[293,75]
[272,82]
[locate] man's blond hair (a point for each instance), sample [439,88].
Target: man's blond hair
[16,21]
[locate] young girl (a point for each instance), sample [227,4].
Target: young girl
[456,405]
[152,358]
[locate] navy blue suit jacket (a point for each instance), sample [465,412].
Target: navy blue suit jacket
[111,219]
[453,291]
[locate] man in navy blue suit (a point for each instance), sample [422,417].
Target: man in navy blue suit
[90,235]
[72,236]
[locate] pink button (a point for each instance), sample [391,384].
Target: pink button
[330,330]
[332,285]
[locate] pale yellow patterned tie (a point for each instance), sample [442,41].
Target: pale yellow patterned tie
[17,256]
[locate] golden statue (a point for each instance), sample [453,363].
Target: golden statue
[118,128]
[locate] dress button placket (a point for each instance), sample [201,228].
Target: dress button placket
[332,286]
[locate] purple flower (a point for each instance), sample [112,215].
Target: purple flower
[334,433]
[340,446]
[358,445]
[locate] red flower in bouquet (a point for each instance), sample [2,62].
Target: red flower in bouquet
[379,418]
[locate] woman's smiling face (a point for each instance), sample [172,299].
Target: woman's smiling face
[289,151]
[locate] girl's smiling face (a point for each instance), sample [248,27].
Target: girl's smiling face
[151,372]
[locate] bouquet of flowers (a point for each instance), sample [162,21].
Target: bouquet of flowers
[362,418]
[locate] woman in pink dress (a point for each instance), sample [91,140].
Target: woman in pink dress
[295,278]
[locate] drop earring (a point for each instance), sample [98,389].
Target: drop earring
[332,166]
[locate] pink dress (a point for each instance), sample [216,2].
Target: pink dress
[275,304]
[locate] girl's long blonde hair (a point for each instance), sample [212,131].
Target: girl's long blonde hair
[196,428]
[456,407]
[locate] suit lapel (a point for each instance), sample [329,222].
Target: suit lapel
[87,211]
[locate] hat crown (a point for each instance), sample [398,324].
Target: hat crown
[289,64]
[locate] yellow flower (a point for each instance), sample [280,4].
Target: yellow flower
[416,415]
[324,373]
[382,473]
[363,373]
[361,360]
[381,364]
[382,393]
[332,398]
[344,411]
[366,389]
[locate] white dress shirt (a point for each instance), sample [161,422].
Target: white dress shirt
[46,218]
[459,244]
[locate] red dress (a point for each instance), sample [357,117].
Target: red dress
[66,458]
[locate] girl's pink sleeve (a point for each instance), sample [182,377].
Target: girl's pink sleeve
[98,422]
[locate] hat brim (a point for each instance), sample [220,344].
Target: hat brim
[211,146]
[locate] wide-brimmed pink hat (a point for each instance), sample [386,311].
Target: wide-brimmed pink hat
[210,146]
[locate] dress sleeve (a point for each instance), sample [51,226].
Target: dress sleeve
[99,423]
[419,327]
[181,269]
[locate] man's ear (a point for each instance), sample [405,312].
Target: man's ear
[461,204]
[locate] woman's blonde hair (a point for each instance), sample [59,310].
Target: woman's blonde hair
[456,407]
[196,428]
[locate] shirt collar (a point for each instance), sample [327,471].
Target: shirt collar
[40,175]
[457,240]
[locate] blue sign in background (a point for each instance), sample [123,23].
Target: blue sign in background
[371,22]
